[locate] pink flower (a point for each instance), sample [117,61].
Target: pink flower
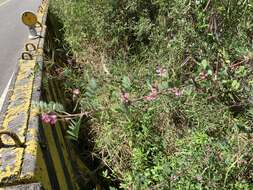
[53,119]
[76,92]
[177,92]
[152,95]
[199,178]
[71,61]
[125,97]
[49,118]
[161,72]
[173,178]
[203,75]
[45,118]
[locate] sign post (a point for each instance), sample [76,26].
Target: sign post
[30,20]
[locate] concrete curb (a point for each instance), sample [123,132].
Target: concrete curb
[41,157]
[19,164]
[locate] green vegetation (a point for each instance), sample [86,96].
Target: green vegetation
[167,87]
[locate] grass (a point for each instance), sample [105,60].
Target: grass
[166,86]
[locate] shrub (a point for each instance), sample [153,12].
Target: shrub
[168,85]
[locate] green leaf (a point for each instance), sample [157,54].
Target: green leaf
[93,84]
[126,83]
[74,128]
[235,85]
[48,107]
[112,188]
[163,85]
[122,108]
[210,72]
[88,94]
[204,64]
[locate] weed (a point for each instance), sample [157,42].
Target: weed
[167,86]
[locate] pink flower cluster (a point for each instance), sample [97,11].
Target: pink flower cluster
[71,61]
[49,118]
[76,92]
[152,95]
[125,98]
[176,91]
[203,75]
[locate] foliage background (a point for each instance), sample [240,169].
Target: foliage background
[201,139]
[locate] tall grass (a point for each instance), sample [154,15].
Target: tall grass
[167,86]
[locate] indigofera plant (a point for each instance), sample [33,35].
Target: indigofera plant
[167,89]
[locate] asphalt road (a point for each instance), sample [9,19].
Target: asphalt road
[13,35]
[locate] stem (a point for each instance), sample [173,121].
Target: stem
[74,115]
[230,168]
[207,5]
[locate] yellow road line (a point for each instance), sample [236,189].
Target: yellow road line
[3,3]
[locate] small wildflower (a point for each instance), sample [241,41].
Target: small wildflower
[177,92]
[161,72]
[53,119]
[49,118]
[76,92]
[199,178]
[45,118]
[173,178]
[152,95]
[71,61]
[203,75]
[125,97]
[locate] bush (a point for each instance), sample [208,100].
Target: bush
[168,86]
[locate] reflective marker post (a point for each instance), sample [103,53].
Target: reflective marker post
[30,20]
[32,33]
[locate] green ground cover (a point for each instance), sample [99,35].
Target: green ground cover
[167,87]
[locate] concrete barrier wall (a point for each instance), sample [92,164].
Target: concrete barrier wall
[21,159]
[35,155]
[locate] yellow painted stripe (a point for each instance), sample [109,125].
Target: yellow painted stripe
[55,157]
[12,114]
[58,126]
[42,174]
[66,157]
[20,94]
